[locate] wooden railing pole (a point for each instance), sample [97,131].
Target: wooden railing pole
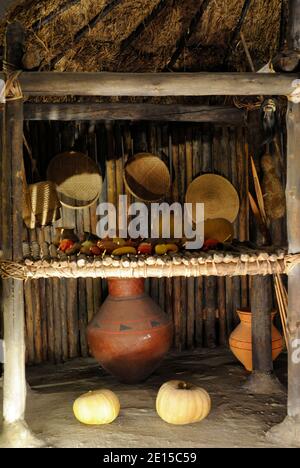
[261,308]
[15,430]
[157,84]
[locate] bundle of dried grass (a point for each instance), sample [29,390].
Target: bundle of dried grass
[273,193]
[141,35]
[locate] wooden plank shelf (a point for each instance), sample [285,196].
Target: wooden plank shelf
[238,260]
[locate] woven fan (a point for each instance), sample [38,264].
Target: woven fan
[41,205]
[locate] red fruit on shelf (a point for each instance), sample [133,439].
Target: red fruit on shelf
[74,249]
[145,248]
[210,244]
[66,244]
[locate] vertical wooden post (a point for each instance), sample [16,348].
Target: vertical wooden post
[288,431]
[293,39]
[261,307]
[262,379]
[15,430]
[210,283]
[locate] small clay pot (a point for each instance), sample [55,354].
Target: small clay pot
[240,340]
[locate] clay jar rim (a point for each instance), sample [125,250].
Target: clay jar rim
[245,315]
[126,288]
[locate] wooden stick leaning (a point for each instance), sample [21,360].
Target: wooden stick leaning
[282,309]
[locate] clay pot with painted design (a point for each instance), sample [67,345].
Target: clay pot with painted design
[240,341]
[130,334]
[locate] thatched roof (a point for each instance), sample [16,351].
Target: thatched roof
[146,35]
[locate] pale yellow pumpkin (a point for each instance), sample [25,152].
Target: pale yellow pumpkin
[179,402]
[97,407]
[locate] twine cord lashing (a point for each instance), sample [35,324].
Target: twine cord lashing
[12,90]
[50,268]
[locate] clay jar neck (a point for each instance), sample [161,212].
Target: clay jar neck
[126,287]
[246,316]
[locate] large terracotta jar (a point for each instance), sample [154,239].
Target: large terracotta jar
[240,340]
[130,334]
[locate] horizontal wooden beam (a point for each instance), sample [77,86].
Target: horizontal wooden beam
[156,84]
[129,111]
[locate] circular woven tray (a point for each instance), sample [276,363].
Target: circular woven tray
[147,177]
[218,229]
[219,196]
[77,179]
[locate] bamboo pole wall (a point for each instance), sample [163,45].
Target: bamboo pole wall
[203,309]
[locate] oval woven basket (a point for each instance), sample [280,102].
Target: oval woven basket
[219,196]
[41,205]
[147,177]
[77,178]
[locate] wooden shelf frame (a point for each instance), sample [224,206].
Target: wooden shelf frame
[15,430]
[238,260]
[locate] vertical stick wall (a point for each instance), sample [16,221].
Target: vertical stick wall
[203,310]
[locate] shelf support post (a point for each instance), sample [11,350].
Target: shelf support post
[15,432]
[288,431]
[262,380]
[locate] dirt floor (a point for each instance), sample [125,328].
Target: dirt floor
[237,419]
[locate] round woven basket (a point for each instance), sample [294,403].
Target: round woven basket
[218,229]
[41,205]
[77,179]
[147,177]
[219,196]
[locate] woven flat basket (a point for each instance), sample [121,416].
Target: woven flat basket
[147,177]
[77,178]
[41,205]
[218,229]
[219,196]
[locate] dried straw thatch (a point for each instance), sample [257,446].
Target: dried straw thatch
[145,35]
